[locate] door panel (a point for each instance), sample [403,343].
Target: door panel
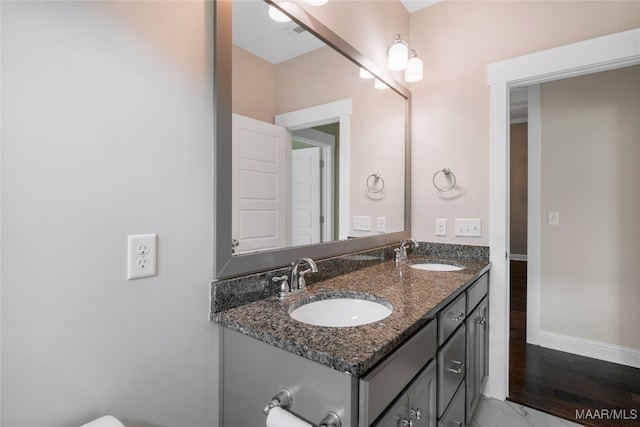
[259,185]
[305,196]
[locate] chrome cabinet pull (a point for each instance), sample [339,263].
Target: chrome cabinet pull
[406,422]
[481,320]
[459,369]
[457,316]
[415,413]
[457,422]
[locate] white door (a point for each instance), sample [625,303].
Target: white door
[259,185]
[305,196]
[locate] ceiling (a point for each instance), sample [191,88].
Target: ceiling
[413,5]
[276,42]
[272,41]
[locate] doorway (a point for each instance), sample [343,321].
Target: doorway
[608,52]
[564,383]
[313,184]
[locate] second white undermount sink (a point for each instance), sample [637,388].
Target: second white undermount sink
[341,312]
[436,266]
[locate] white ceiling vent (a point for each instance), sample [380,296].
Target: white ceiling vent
[294,30]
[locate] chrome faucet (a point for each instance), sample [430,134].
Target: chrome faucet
[401,252]
[297,278]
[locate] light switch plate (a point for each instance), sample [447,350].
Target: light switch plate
[362,223]
[553,218]
[468,227]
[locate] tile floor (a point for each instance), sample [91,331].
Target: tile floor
[496,413]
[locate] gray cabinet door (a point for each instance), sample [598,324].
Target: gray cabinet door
[417,406]
[422,398]
[396,415]
[477,355]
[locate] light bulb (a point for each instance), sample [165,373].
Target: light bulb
[277,15]
[315,2]
[413,73]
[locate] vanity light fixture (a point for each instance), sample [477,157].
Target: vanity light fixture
[315,2]
[277,15]
[400,56]
[413,72]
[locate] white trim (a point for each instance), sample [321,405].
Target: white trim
[534,214]
[498,380]
[599,54]
[518,257]
[589,348]
[320,115]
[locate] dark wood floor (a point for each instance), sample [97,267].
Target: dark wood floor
[562,383]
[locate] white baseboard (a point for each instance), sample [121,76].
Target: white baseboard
[518,257]
[598,350]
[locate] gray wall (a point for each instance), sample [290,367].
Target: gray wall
[106,131]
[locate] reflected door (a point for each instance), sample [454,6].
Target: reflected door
[305,196]
[259,181]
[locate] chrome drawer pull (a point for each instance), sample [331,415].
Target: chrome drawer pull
[415,413]
[457,422]
[460,366]
[482,320]
[457,316]
[406,422]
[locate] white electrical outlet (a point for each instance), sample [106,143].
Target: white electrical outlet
[553,218]
[141,256]
[441,227]
[362,223]
[382,224]
[468,227]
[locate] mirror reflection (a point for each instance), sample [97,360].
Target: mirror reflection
[318,152]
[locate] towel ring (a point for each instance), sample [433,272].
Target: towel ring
[371,185]
[446,172]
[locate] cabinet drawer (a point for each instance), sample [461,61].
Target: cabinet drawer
[451,317]
[380,386]
[451,369]
[477,291]
[454,417]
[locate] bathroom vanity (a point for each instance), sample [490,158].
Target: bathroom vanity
[423,365]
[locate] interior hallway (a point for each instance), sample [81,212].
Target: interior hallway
[562,383]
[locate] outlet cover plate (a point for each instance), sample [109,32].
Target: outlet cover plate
[142,256]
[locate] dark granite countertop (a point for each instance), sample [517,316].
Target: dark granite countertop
[416,296]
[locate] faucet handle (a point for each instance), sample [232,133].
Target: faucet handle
[284,285]
[302,282]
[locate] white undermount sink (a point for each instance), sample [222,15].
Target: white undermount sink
[341,312]
[436,266]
